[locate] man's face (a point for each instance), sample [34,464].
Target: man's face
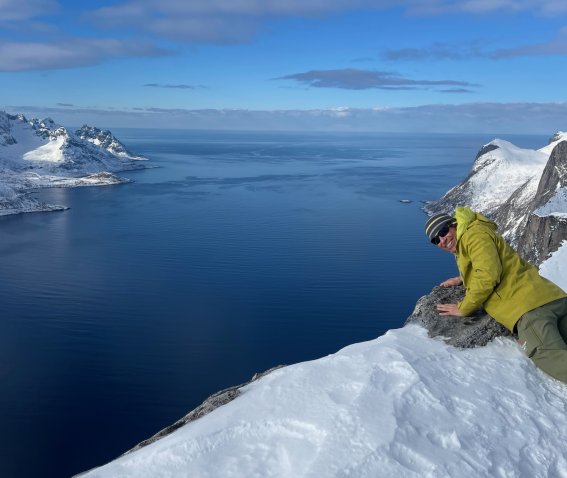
[449,241]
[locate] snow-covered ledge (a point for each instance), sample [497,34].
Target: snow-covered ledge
[403,404]
[400,405]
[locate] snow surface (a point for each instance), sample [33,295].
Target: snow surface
[50,152]
[556,206]
[500,172]
[557,138]
[555,268]
[402,405]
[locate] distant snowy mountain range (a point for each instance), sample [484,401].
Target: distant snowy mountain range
[40,153]
[404,404]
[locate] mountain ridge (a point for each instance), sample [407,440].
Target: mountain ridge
[38,153]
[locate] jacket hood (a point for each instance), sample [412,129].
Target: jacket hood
[466,217]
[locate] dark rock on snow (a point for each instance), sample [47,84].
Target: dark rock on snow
[213,402]
[464,332]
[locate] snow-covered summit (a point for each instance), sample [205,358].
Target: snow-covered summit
[554,141]
[499,169]
[39,153]
[45,144]
[106,140]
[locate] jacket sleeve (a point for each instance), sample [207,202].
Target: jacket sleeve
[486,270]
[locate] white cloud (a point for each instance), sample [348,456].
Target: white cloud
[439,51]
[464,118]
[556,46]
[438,7]
[238,20]
[19,10]
[24,56]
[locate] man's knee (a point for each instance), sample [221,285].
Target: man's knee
[540,328]
[552,361]
[542,341]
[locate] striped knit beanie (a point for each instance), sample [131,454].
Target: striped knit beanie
[435,223]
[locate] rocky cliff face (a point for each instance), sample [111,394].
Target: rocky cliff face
[546,225]
[6,138]
[523,191]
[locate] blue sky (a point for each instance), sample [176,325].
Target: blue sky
[368,65]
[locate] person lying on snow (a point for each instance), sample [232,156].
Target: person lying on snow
[507,287]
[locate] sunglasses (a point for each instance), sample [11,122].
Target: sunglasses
[442,233]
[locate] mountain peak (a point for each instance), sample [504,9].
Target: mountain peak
[104,139]
[37,153]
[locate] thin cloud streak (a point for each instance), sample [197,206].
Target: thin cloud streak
[480,7]
[555,47]
[438,51]
[457,91]
[355,79]
[168,86]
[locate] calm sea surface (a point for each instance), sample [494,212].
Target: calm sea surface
[241,251]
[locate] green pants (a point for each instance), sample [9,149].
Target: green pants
[543,331]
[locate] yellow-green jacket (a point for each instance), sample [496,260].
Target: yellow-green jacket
[494,275]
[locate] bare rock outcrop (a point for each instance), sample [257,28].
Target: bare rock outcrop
[463,332]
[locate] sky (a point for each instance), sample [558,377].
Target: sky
[345,65]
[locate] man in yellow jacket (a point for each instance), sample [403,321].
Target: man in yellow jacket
[507,287]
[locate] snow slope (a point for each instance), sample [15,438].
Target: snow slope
[554,141]
[401,405]
[555,268]
[496,174]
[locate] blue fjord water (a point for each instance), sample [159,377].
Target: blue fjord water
[239,252]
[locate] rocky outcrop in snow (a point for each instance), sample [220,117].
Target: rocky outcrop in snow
[213,402]
[40,153]
[463,332]
[522,190]
[105,140]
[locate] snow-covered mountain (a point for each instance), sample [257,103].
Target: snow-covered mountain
[524,191]
[106,140]
[40,153]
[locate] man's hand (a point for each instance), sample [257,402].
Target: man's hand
[451,282]
[449,309]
